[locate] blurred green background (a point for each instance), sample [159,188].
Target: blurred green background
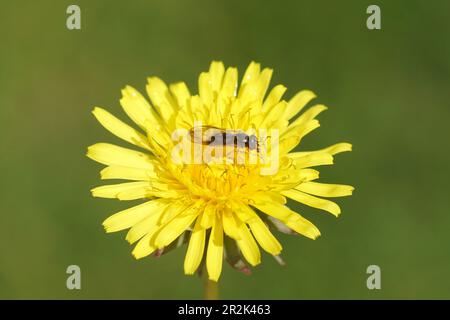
[388,93]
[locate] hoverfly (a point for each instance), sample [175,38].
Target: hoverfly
[237,138]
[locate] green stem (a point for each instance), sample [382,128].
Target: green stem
[211,290]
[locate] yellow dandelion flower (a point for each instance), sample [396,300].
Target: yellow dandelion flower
[225,205]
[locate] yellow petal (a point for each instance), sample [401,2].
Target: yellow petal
[255,88]
[292,219]
[308,175]
[214,255]
[208,216]
[120,129]
[112,191]
[273,98]
[291,177]
[147,225]
[174,209]
[332,150]
[161,98]
[110,154]
[118,172]
[195,249]
[197,108]
[276,210]
[139,110]
[338,148]
[229,85]
[136,193]
[264,237]
[216,70]
[204,88]
[265,196]
[308,115]
[173,229]
[312,160]
[248,246]
[149,190]
[242,211]
[312,201]
[181,93]
[230,225]
[263,84]
[129,217]
[143,248]
[215,118]
[298,102]
[325,190]
[273,115]
[292,137]
[303,227]
[251,73]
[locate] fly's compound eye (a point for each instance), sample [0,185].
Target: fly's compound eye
[241,139]
[253,142]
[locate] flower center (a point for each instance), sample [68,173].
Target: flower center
[220,182]
[221,175]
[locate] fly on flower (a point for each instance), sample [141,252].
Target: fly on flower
[225,209]
[222,137]
[217,144]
